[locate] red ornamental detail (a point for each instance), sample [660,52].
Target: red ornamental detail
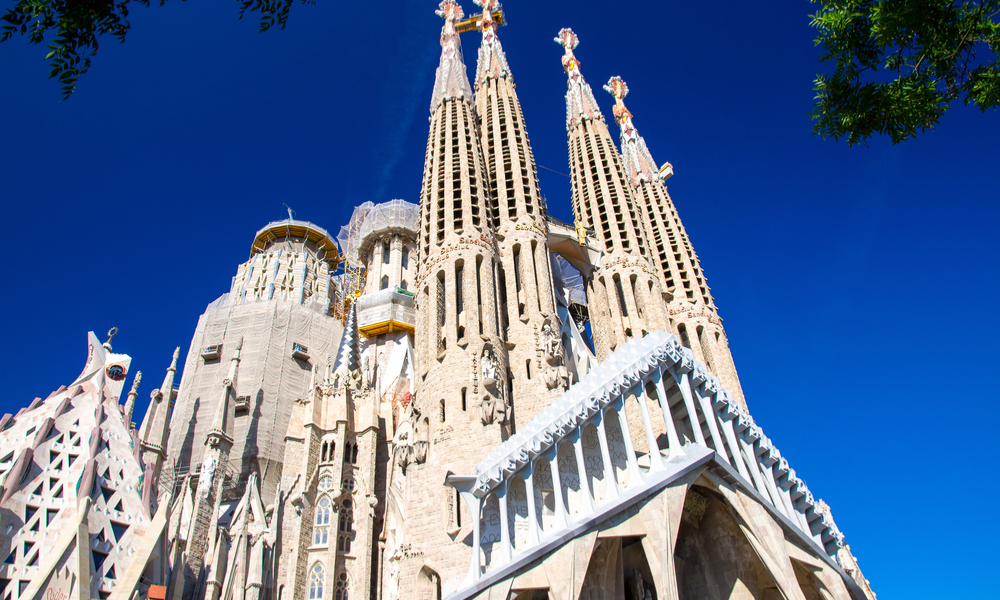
[115,372]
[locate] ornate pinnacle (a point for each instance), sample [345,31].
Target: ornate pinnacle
[450,11]
[173,362]
[489,7]
[616,87]
[568,40]
[135,383]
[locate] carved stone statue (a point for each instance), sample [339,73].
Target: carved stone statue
[409,444]
[488,409]
[551,345]
[489,367]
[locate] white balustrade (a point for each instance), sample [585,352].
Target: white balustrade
[603,393]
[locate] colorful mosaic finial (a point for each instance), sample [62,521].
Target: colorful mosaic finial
[639,164]
[450,11]
[617,87]
[567,39]
[580,102]
[492,60]
[451,80]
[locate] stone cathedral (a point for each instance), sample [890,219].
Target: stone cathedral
[460,398]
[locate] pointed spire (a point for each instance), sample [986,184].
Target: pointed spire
[349,352]
[130,402]
[451,79]
[222,422]
[639,163]
[580,102]
[168,380]
[492,60]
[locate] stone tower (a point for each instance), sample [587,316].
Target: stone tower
[624,295]
[328,531]
[528,310]
[691,309]
[462,389]
[279,304]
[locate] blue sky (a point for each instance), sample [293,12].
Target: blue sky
[857,285]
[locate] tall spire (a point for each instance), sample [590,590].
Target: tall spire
[130,402]
[222,424]
[156,425]
[694,314]
[527,299]
[639,163]
[492,60]
[349,352]
[625,293]
[451,79]
[580,101]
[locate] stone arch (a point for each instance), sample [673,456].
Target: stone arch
[712,556]
[428,584]
[811,585]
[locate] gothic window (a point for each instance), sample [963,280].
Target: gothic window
[385,253]
[346,516]
[385,282]
[343,586]
[316,579]
[349,485]
[321,531]
[325,482]
[405,259]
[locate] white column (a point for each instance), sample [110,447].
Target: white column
[561,516]
[684,383]
[635,477]
[529,487]
[655,460]
[713,428]
[475,507]
[668,419]
[734,447]
[588,497]
[609,467]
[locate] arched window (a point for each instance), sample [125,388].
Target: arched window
[346,515]
[343,587]
[316,579]
[386,251]
[402,286]
[321,529]
[406,258]
[385,282]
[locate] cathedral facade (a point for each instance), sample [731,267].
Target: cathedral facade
[458,398]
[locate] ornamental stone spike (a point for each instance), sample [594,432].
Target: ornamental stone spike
[130,401]
[451,80]
[492,59]
[580,102]
[639,163]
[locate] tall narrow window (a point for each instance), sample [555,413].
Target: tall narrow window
[385,282]
[479,293]
[464,392]
[316,579]
[386,252]
[405,258]
[621,295]
[683,332]
[442,410]
[343,586]
[442,341]
[534,271]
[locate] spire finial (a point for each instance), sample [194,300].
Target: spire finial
[111,333]
[492,60]
[450,11]
[569,41]
[451,80]
[173,362]
[135,383]
[617,87]
[489,7]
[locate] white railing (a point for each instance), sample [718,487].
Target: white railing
[530,493]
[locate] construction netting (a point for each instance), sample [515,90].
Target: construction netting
[568,281]
[371,217]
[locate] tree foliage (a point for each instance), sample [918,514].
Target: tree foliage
[76,26]
[901,63]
